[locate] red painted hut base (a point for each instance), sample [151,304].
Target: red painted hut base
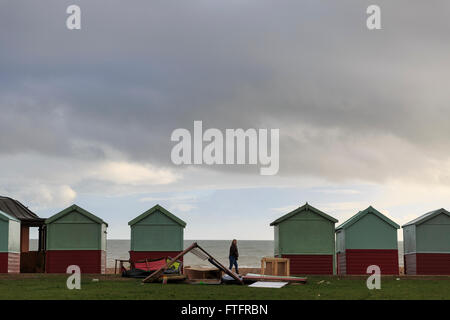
[356,261]
[427,263]
[152,255]
[9,262]
[301,264]
[89,261]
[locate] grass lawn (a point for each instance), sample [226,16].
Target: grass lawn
[45,286]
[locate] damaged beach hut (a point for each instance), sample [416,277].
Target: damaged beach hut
[155,234]
[367,238]
[9,244]
[30,261]
[427,244]
[306,237]
[76,237]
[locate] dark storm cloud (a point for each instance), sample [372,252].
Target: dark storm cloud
[362,102]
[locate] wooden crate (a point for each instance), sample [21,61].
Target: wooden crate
[275,266]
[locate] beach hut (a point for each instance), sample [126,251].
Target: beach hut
[427,244]
[367,238]
[76,237]
[9,244]
[156,233]
[306,237]
[30,260]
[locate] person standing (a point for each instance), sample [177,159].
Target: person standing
[234,255]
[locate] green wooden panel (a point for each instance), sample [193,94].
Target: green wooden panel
[4,235]
[371,232]
[14,236]
[74,236]
[306,233]
[434,235]
[409,238]
[157,218]
[168,237]
[74,217]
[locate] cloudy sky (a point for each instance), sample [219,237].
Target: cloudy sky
[87,115]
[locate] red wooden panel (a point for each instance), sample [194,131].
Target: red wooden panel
[301,264]
[357,260]
[89,261]
[3,262]
[152,255]
[433,263]
[410,263]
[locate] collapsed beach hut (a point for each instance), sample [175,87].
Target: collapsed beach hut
[306,237]
[29,260]
[9,244]
[367,238]
[76,237]
[156,233]
[427,244]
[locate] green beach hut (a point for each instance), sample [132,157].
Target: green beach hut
[427,244]
[156,233]
[76,237]
[368,238]
[9,244]
[306,237]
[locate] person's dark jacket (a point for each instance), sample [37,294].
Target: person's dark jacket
[234,251]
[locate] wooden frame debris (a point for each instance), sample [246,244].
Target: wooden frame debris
[200,253]
[275,266]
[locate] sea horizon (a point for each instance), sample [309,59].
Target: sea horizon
[250,251]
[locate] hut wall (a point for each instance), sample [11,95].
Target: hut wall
[307,239]
[75,239]
[427,251]
[9,246]
[156,236]
[368,241]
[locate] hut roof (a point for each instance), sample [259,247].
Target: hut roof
[363,213]
[4,216]
[78,209]
[160,209]
[427,216]
[17,210]
[305,207]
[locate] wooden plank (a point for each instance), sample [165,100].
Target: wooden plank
[220,266]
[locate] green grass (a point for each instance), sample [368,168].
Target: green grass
[44,286]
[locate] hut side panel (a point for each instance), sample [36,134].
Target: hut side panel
[409,239]
[9,246]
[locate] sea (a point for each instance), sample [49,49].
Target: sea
[250,251]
